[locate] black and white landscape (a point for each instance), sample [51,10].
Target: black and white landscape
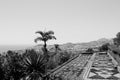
[59,40]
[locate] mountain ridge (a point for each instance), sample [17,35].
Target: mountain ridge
[79,46]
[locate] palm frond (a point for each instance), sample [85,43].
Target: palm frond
[38,39]
[49,33]
[40,32]
[45,36]
[51,37]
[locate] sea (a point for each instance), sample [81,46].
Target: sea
[5,48]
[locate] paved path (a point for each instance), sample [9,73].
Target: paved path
[99,66]
[103,68]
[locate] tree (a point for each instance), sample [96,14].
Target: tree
[57,49]
[90,50]
[104,47]
[45,36]
[57,54]
[64,56]
[54,59]
[117,39]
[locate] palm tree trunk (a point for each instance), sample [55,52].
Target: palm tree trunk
[46,55]
[45,47]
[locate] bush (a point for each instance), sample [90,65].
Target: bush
[104,47]
[90,50]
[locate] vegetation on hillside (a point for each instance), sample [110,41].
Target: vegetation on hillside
[104,47]
[32,64]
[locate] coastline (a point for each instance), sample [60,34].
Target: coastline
[5,48]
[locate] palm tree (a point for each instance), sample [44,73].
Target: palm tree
[57,48]
[56,56]
[45,36]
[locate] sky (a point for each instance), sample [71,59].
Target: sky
[71,20]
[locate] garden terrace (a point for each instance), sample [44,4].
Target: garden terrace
[75,69]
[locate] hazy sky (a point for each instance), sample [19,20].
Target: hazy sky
[71,20]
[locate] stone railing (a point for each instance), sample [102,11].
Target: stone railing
[116,59]
[59,67]
[115,56]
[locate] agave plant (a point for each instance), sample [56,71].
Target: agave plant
[35,65]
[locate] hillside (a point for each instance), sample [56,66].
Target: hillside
[79,46]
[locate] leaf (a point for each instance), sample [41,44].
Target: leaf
[49,33]
[51,37]
[38,39]
[40,32]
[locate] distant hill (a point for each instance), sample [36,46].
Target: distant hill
[90,44]
[79,46]
[67,46]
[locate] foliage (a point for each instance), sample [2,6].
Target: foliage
[64,56]
[116,40]
[29,65]
[2,72]
[58,57]
[13,66]
[104,47]
[90,50]
[34,65]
